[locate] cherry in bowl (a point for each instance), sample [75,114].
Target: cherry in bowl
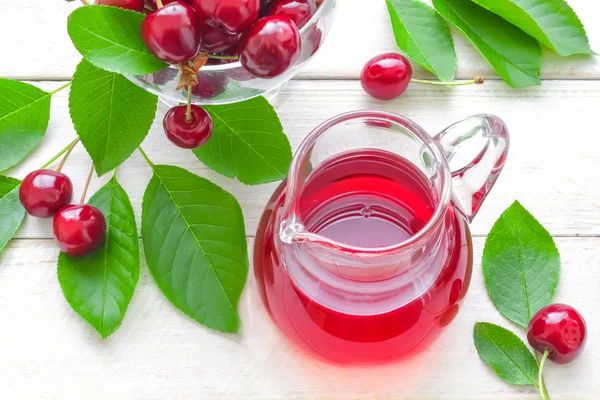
[133,5]
[231,16]
[172,33]
[299,11]
[270,47]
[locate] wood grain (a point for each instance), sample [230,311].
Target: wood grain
[552,167]
[38,46]
[49,353]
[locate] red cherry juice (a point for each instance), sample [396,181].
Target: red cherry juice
[368,198]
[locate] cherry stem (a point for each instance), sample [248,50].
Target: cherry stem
[145,156]
[541,383]
[60,88]
[159,4]
[85,2]
[87,184]
[537,360]
[69,150]
[217,57]
[188,113]
[477,81]
[60,153]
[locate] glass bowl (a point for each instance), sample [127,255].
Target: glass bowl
[230,82]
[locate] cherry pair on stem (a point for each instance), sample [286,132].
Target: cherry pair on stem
[79,229]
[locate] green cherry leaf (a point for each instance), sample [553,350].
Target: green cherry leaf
[100,286]
[11,210]
[423,36]
[195,246]
[110,38]
[514,55]
[247,142]
[552,22]
[111,115]
[521,265]
[506,354]
[24,116]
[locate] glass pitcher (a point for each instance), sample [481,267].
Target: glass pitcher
[364,253]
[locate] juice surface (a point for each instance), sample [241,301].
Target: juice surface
[364,199]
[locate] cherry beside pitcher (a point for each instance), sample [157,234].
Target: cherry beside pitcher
[364,254]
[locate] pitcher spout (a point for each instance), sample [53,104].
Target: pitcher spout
[290,229]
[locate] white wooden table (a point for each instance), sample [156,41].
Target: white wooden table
[48,352]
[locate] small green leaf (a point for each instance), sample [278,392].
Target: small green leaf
[516,56]
[423,36]
[111,115]
[11,210]
[195,246]
[552,22]
[505,353]
[521,265]
[24,116]
[110,38]
[100,286]
[247,142]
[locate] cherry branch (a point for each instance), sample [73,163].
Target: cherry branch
[64,160]
[60,153]
[87,184]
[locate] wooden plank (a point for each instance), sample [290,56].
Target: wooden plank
[37,46]
[49,353]
[552,167]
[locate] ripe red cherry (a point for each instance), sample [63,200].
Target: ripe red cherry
[134,5]
[172,33]
[44,192]
[270,46]
[313,38]
[79,229]
[559,328]
[210,84]
[386,76]
[299,11]
[233,16]
[215,40]
[188,134]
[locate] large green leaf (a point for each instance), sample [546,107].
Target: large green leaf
[521,265]
[100,286]
[247,142]
[11,210]
[195,246]
[111,115]
[552,22]
[505,353]
[24,116]
[516,56]
[110,38]
[423,36]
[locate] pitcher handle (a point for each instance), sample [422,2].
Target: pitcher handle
[476,150]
